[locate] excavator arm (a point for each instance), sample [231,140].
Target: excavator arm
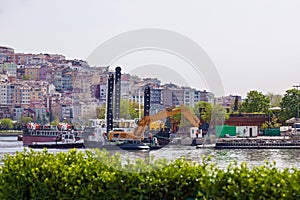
[190,116]
[163,114]
[145,121]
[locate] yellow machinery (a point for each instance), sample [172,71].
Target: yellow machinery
[153,121]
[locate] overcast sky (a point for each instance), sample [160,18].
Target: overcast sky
[254,44]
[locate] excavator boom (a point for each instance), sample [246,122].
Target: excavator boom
[163,114]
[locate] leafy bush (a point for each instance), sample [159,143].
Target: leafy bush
[99,175]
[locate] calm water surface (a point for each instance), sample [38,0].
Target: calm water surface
[284,158]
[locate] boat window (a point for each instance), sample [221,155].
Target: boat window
[296,125]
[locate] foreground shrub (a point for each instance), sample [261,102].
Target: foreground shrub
[99,175]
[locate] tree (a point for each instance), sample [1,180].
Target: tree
[271,124]
[206,109]
[289,104]
[100,111]
[7,123]
[55,122]
[25,120]
[275,99]
[129,109]
[255,102]
[218,115]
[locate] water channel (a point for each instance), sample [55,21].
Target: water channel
[284,158]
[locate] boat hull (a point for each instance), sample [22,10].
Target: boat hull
[57,145]
[135,147]
[30,139]
[99,145]
[116,146]
[42,135]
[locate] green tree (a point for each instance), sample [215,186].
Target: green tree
[206,112]
[55,122]
[289,104]
[100,111]
[271,124]
[6,123]
[129,109]
[218,115]
[275,99]
[255,102]
[25,120]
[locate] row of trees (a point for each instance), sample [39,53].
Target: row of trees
[9,124]
[256,102]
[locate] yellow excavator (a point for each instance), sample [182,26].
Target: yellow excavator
[138,132]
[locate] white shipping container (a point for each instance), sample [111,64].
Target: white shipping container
[247,131]
[193,131]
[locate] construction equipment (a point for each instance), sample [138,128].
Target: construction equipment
[144,123]
[168,112]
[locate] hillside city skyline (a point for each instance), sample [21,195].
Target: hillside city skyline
[33,84]
[143,75]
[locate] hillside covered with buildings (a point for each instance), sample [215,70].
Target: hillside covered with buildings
[32,85]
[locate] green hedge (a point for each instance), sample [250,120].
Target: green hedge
[98,175]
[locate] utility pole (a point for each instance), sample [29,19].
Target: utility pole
[297,86]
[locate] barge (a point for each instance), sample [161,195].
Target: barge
[258,143]
[64,141]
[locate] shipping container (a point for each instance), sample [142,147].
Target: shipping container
[222,131]
[272,132]
[247,131]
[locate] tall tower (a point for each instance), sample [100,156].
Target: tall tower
[117,93]
[147,101]
[109,107]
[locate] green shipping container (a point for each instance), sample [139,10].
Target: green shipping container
[222,131]
[272,132]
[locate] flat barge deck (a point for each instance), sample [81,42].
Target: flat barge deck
[258,143]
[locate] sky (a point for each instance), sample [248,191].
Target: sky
[254,44]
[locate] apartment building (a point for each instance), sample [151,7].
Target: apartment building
[6,54]
[10,69]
